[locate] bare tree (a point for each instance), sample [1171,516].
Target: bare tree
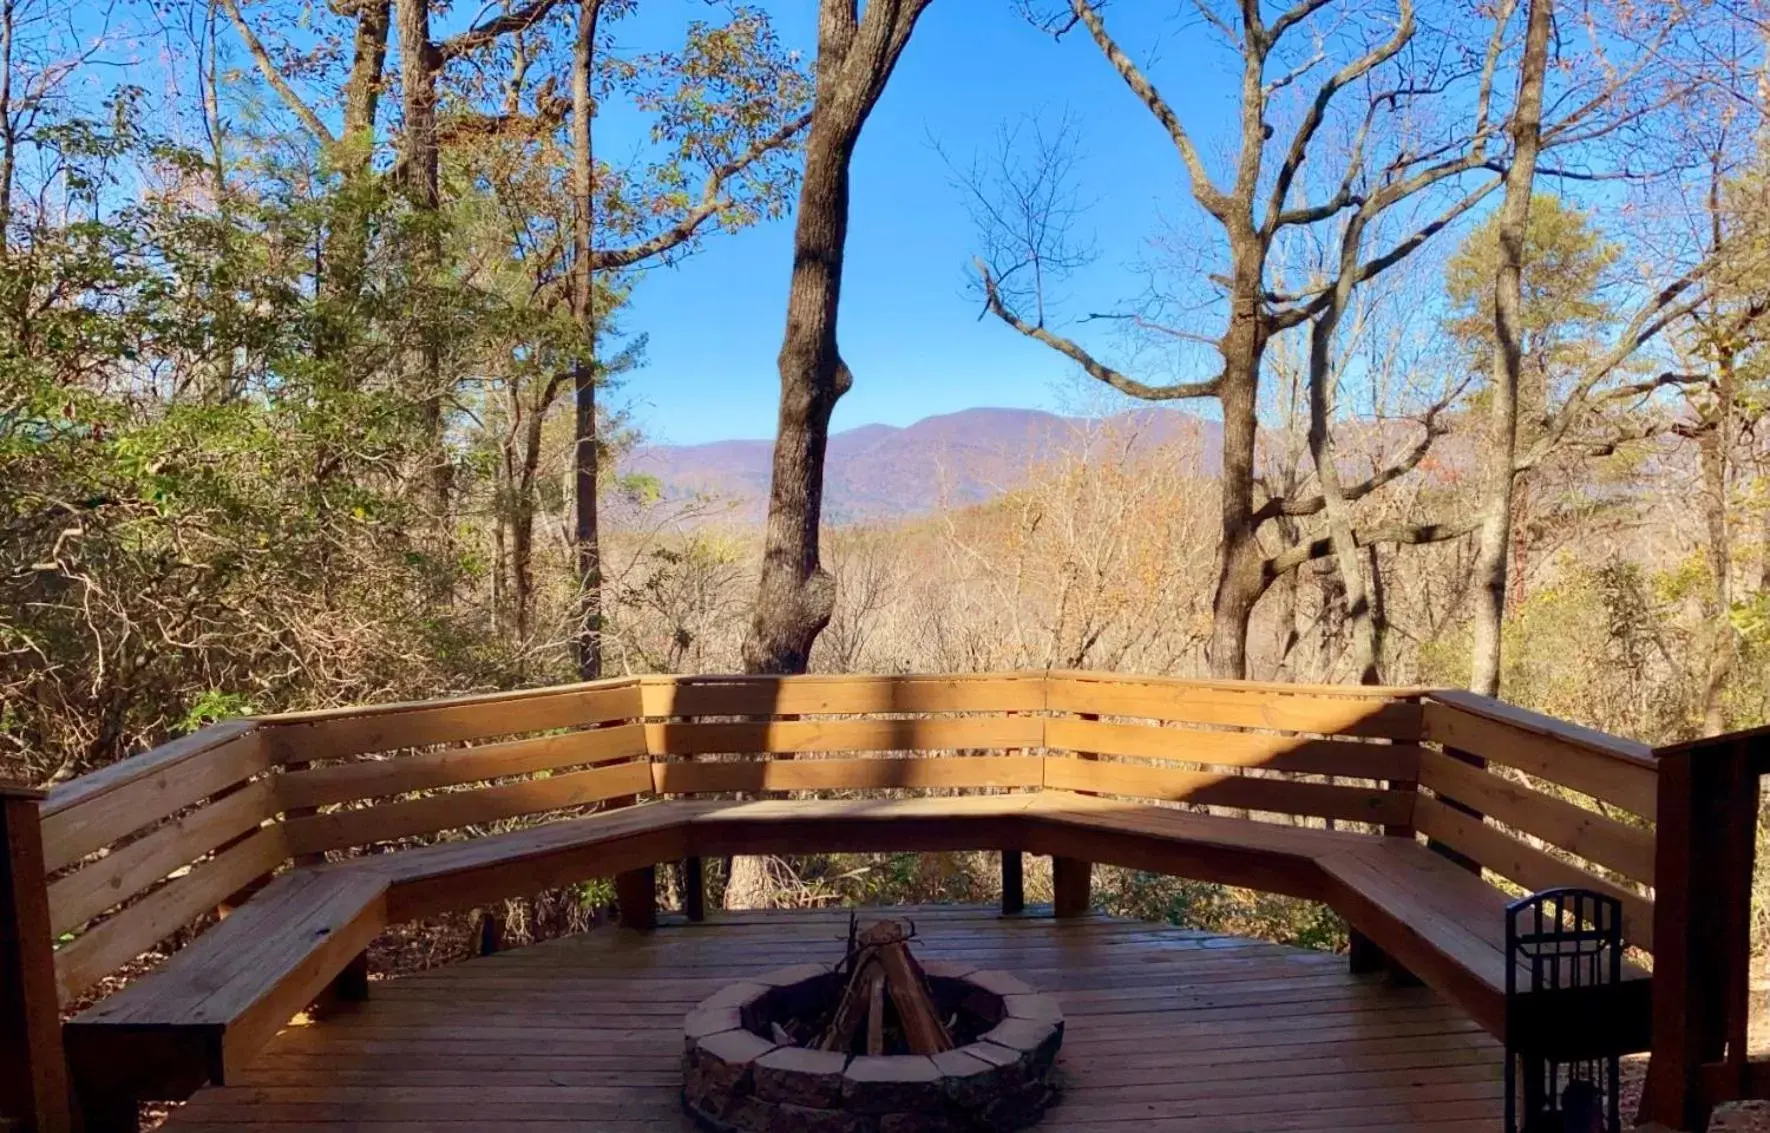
[1254,206]
[795,596]
[1494,539]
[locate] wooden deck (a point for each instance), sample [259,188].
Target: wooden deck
[1167,1030]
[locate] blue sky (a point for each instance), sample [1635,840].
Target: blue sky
[909,330]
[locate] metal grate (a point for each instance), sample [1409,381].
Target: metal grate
[1563,947]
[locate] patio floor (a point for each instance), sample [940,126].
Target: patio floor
[1167,1030]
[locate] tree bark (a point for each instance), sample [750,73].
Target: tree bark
[795,595]
[586,535]
[1493,538]
[8,133]
[347,250]
[1354,588]
[1714,451]
[418,66]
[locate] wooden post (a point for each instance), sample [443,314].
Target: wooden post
[33,1068]
[1707,813]
[1462,860]
[636,892]
[694,890]
[1013,882]
[1071,881]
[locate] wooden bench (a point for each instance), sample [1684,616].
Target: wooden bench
[1081,767]
[1445,925]
[220,1000]
[217,1002]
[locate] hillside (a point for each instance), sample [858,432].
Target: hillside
[881,472]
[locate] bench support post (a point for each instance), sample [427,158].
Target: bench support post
[1363,955]
[33,1067]
[1013,882]
[694,890]
[1071,882]
[636,892]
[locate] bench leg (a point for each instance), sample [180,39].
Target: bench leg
[636,894]
[109,1113]
[1013,882]
[1071,882]
[1366,958]
[694,890]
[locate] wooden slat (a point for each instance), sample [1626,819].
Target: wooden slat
[1294,712]
[375,778]
[1595,837]
[1353,760]
[311,739]
[784,736]
[1528,866]
[1280,796]
[121,874]
[1369,692]
[157,784]
[847,774]
[1551,727]
[317,833]
[496,698]
[796,695]
[1613,776]
[155,917]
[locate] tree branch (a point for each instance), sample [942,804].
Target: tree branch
[1409,534]
[1207,193]
[711,203]
[1092,366]
[274,77]
[521,19]
[1410,460]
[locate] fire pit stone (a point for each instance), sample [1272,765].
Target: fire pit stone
[744,1073]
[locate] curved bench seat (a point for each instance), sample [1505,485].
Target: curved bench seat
[218,1001]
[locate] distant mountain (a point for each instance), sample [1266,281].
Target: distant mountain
[883,472]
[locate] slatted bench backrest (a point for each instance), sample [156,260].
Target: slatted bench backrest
[144,849]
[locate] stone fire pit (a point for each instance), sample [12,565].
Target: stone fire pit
[743,1070]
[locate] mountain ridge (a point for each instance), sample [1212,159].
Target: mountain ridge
[882,472]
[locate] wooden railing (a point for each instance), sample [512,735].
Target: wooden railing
[140,852]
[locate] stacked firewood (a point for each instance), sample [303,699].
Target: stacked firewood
[880,971]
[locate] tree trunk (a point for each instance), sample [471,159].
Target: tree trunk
[347,248]
[587,536]
[795,595]
[1493,538]
[1240,578]
[1714,449]
[1348,560]
[8,134]
[418,64]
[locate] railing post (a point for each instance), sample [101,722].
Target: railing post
[1703,850]
[33,1068]
[1462,860]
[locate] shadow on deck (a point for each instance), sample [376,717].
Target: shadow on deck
[1167,1030]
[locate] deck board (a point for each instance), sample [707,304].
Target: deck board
[1167,1030]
